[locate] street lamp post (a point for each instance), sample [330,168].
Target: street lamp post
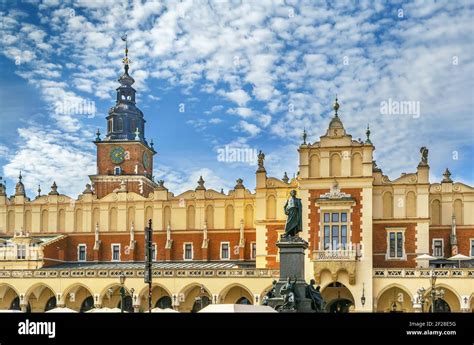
[362,299]
[122,291]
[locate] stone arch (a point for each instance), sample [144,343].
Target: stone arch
[78,220]
[158,291]
[130,217]
[166,216]
[338,297]
[234,292]
[149,215]
[44,221]
[11,221]
[109,297]
[387,202]
[113,219]
[38,295]
[356,164]
[191,218]
[271,207]
[7,295]
[394,297]
[210,216]
[188,296]
[248,217]
[62,220]
[451,297]
[229,217]
[314,166]
[95,217]
[335,165]
[80,293]
[410,204]
[28,221]
[435,211]
[458,211]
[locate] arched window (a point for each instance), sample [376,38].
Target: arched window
[387,201]
[79,227]
[113,219]
[119,124]
[335,165]
[28,221]
[435,212]
[191,218]
[356,166]
[271,207]
[166,216]
[51,304]
[62,220]
[44,221]
[229,217]
[457,211]
[248,217]
[109,126]
[410,204]
[210,217]
[243,300]
[314,166]
[11,221]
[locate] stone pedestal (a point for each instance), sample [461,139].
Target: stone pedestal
[292,255]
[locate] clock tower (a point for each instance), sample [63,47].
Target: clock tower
[124,157]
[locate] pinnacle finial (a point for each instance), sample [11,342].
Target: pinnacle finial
[447,176]
[97,135]
[367,133]
[335,107]
[20,177]
[305,136]
[126,60]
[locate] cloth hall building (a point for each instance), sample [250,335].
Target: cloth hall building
[373,242]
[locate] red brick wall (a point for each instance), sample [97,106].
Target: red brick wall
[314,216]
[379,234]
[464,244]
[444,234]
[55,252]
[271,248]
[70,243]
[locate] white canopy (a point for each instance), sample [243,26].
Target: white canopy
[425,257]
[458,257]
[237,308]
[166,310]
[10,311]
[104,310]
[61,310]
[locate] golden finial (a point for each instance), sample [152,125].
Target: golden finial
[126,60]
[335,107]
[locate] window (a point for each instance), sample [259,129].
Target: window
[153,252]
[335,230]
[117,171]
[81,252]
[21,251]
[438,247]
[472,247]
[253,250]
[225,251]
[396,243]
[188,251]
[115,252]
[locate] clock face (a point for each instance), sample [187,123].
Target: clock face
[117,155]
[146,160]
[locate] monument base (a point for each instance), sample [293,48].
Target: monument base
[292,255]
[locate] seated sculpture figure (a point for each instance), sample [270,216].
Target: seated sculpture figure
[287,291]
[269,294]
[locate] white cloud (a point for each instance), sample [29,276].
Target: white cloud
[250,128]
[238,96]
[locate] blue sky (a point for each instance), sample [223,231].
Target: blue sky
[249,75]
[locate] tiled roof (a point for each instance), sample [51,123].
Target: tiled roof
[180,265]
